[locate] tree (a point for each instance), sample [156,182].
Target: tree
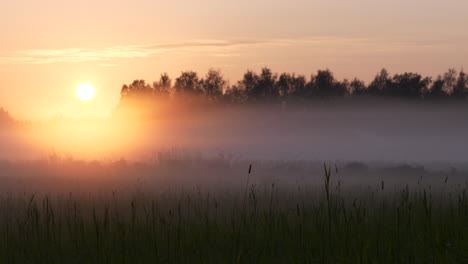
[437,89]
[324,82]
[325,85]
[407,85]
[124,91]
[266,85]
[285,84]
[299,84]
[290,84]
[341,88]
[235,95]
[188,83]
[460,89]
[5,118]
[214,84]
[378,85]
[450,79]
[138,88]
[309,89]
[162,88]
[258,87]
[357,87]
[249,84]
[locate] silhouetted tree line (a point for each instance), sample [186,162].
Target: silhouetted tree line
[5,118]
[269,86]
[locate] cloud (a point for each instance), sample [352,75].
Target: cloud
[218,48]
[46,56]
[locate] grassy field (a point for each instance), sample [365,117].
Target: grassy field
[248,222]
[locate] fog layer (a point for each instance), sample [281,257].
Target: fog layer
[333,130]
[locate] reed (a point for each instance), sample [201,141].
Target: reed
[272,225]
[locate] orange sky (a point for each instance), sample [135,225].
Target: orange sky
[48,47]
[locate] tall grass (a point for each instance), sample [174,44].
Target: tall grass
[258,224]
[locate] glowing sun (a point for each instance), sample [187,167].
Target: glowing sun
[85,91]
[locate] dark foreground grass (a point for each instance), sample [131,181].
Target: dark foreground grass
[262,225]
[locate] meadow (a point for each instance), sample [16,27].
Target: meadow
[219,210]
[156,132]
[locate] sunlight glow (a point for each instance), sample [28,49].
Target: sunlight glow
[85,91]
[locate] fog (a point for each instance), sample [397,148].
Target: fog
[369,131]
[371,146]
[381,131]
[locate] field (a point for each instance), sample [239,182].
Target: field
[195,210]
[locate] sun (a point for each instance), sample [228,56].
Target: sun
[85,91]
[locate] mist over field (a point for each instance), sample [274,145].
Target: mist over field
[247,175]
[350,131]
[377,130]
[135,132]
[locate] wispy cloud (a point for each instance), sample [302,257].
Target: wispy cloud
[217,48]
[45,56]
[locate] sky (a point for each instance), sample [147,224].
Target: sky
[49,47]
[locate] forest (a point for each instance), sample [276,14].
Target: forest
[268,86]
